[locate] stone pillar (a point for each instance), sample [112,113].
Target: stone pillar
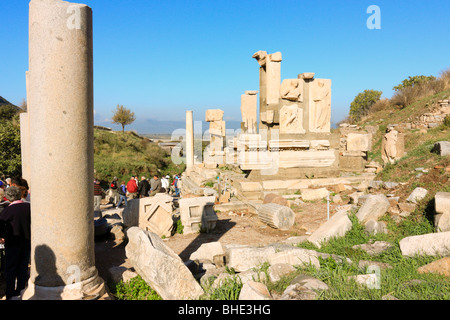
[61,152]
[189,139]
[25,136]
[249,111]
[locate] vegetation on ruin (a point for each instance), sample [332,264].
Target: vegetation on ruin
[10,159]
[126,154]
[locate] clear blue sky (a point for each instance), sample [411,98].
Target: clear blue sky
[161,58]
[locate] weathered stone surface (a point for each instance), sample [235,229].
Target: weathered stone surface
[277,216]
[254,291]
[441,266]
[242,258]
[417,195]
[309,282]
[373,227]
[374,207]
[337,226]
[160,267]
[279,270]
[214,115]
[153,214]
[294,257]
[358,142]
[298,292]
[428,244]
[374,248]
[314,194]
[208,251]
[117,274]
[442,202]
[442,222]
[196,213]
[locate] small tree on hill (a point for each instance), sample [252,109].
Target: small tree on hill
[123,116]
[363,102]
[413,81]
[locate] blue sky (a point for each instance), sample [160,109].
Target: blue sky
[161,58]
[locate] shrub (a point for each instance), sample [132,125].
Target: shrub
[363,102]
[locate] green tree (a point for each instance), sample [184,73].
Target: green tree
[363,102]
[123,116]
[10,159]
[413,81]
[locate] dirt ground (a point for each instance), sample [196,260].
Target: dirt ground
[233,227]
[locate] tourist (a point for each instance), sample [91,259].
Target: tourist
[23,185]
[8,182]
[165,183]
[98,193]
[155,186]
[122,190]
[175,185]
[132,188]
[16,236]
[114,192]
[143,187]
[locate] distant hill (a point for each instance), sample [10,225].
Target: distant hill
[4,102]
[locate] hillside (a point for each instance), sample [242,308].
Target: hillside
[124,155]
[419,167]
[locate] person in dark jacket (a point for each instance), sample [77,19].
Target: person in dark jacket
[122,194]
[15,231]
[143,188]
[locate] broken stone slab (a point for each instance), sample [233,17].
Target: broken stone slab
[254,291]
[314,194]
[442,148]
[337,226]
[242,258]
[375,227]
[277,271]
[417,195]
[160,267]
[297,292]
[295,257]
[207,251]
[375,248]
[309,282]
[442,222]
[374,207]
[430,244]
[120,273]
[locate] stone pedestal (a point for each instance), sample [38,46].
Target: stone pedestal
[61,152]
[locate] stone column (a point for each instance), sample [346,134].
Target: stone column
[61,152]
[189,139]
[25,136]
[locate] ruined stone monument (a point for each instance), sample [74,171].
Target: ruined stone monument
[60,115]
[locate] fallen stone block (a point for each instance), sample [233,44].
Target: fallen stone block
[417,195]
[430,244]
[295,257]
[441,266]
[337,226]
[314,194]
[208,251]
[160,267]
[242,258]
[254,291]
[442,202]
[277,271]
[374,207]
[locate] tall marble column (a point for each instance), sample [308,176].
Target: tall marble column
[189,139]
[61,152]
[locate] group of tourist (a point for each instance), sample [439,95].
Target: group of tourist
[15,234]
[134,189]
